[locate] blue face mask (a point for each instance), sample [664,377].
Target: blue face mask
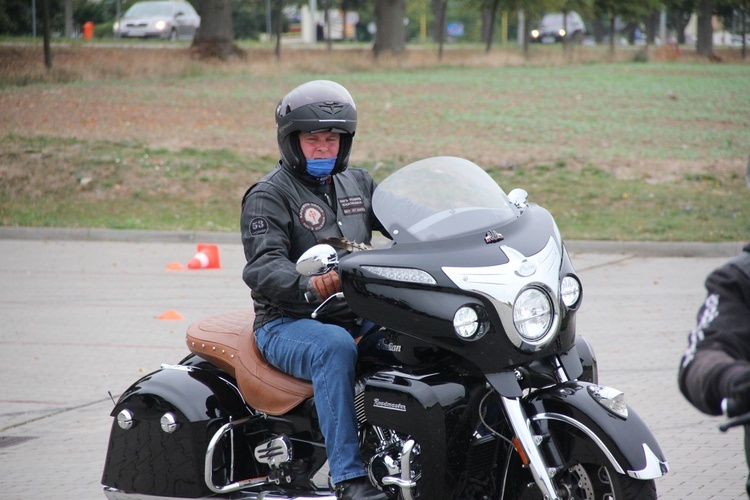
[321,167]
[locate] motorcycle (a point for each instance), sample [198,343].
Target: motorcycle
[474,384]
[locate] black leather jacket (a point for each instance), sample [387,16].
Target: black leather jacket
[719,347]
[286,213]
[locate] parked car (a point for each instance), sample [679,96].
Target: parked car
[551,28]
[165,19]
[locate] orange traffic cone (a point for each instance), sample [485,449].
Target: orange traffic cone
[206,258]
[171,315]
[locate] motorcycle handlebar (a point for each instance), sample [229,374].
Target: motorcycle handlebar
[737,413]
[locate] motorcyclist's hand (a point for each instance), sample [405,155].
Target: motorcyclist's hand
[739,394]
[326,284]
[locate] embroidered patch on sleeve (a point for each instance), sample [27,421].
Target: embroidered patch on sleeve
[352,205]
[258,226]
[312,216]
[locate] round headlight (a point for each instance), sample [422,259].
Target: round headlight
[160,25]
[532,314]
[466,322]
[570,291]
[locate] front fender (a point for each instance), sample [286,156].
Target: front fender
[583,428]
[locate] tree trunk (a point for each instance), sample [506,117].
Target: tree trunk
[46,34]
[279,17]
[526,28]
[215,37]
[704,46]
[743,13]
[68,18]
[441,28]
[327,21]
[598,30]
[391,32]
[491,22]
[681,19]
[612,36]
[652,27]
[439,17]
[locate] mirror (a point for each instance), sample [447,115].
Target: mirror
[317,260]
[519,197]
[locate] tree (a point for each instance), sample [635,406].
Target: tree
[215,37]
[391,32]
[704,45]
[626,11]
[680,13]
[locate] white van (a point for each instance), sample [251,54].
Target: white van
[551,28]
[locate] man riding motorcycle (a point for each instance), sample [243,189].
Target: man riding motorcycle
[309,196]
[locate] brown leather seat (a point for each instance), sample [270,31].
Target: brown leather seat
[227,341]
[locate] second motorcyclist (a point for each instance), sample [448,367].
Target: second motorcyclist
[716,364]
[311,195]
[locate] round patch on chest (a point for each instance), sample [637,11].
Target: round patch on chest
[312,216]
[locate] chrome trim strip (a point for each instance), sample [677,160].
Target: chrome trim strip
[578,425]
[654,467]
[115,494]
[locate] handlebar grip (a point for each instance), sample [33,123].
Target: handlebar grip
[732,407]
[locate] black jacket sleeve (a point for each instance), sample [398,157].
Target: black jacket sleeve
[719,347]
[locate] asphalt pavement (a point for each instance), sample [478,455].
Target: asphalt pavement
[80,312]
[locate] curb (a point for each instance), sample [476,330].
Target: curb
[639,248]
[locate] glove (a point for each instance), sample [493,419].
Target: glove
[739,394]
[326,284]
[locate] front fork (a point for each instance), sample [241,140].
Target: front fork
[527,443]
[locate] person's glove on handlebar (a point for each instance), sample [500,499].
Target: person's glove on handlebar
[739,393]
[327,284]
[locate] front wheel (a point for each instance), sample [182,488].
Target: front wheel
[592,481]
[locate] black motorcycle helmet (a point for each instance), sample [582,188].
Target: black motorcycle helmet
[314,107]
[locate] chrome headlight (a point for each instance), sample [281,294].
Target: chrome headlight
[570,291]
[533,314]
[469,324]
[160,25]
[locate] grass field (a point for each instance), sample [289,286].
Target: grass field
[149,138]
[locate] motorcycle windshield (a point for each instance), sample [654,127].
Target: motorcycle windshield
[439,198]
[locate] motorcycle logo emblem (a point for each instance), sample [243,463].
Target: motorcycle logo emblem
[388,406]
[493,236]
[312,216]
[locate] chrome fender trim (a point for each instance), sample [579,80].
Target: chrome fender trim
[654,468]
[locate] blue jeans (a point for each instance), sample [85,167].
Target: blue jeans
[326,355]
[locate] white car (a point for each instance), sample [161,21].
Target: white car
[165,19]
[551,28]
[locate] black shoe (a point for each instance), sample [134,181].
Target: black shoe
[359,488]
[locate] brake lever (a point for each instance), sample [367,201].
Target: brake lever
[337,296]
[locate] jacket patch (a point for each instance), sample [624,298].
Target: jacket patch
[312,216]
[352,205]
[258,225]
